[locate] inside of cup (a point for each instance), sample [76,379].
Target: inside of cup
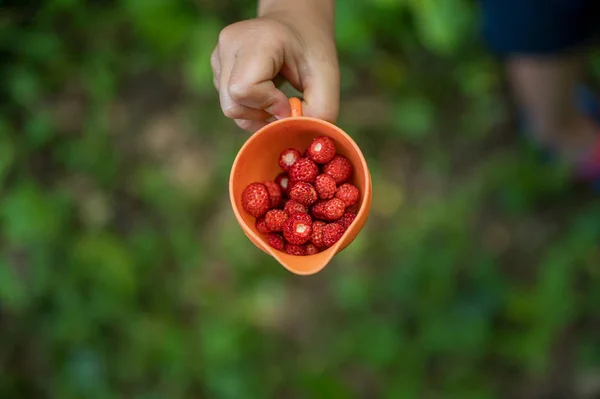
[258,160]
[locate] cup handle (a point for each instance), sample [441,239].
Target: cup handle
[296,105]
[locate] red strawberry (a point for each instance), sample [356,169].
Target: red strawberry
[347,193]
[297,228]
[261,226]
[283,180]
[292,207]
[303,193]
[256,200]
[339,168]
[304,170]
[347,220]
[332,233]
[288,157]
[325,186]
[321,150]
[318,209]
[274,193]
[276,241]
[298,250]
[311,249]
[330,210]
[317,234]
[275,219]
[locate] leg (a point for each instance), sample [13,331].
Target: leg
[543,43]
[545,89]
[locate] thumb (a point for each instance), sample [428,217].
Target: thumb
[321,90]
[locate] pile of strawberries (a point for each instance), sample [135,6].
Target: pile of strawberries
[309,206]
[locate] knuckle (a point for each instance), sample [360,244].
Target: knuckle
[244,124]
[239,91]
[249,30]
[214,63]
[224,36]
[234,111]
[228,34]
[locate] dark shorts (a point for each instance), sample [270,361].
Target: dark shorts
[540,27]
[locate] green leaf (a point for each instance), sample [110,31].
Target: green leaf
[103,259]
[41,45]
[198,68]
[39,128]
[30,216]
[25,85]
[13,294]
[352,32]
[442,25]
[165,24]
[414,118]
[7,153]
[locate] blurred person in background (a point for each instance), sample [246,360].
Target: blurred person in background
[543,44]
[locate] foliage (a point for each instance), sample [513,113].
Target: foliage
[124,274]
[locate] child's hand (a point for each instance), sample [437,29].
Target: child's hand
[250,54]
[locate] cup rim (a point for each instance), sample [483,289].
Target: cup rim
[365,193]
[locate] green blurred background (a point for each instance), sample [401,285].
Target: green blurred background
[123,273]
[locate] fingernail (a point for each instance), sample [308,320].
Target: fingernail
[271,119]
[270,110]
[277,112]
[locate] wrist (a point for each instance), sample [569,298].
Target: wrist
[310,13]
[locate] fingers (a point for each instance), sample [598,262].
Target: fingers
[246,65]
[215,64]
[251,80]
[250,126]
[231,108]
[246,91]
[321,91]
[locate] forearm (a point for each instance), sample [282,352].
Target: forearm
[313,10]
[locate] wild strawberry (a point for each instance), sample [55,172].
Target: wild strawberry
[292,249]
[276,241]
[304,170]
[347,193]
[318,209]
[304,193]
[325,186]
[292,207]
[311,249]
[297,228]
[261,226]
[256,200]
[330,210]
[332,232]
[283,180]
[316,236]
[274,219]
[274,193]
[346,220]
[339,168]
[288,157]
[321,150]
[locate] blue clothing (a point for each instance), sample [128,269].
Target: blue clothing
[540,27]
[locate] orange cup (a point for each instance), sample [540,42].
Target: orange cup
[257,161]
